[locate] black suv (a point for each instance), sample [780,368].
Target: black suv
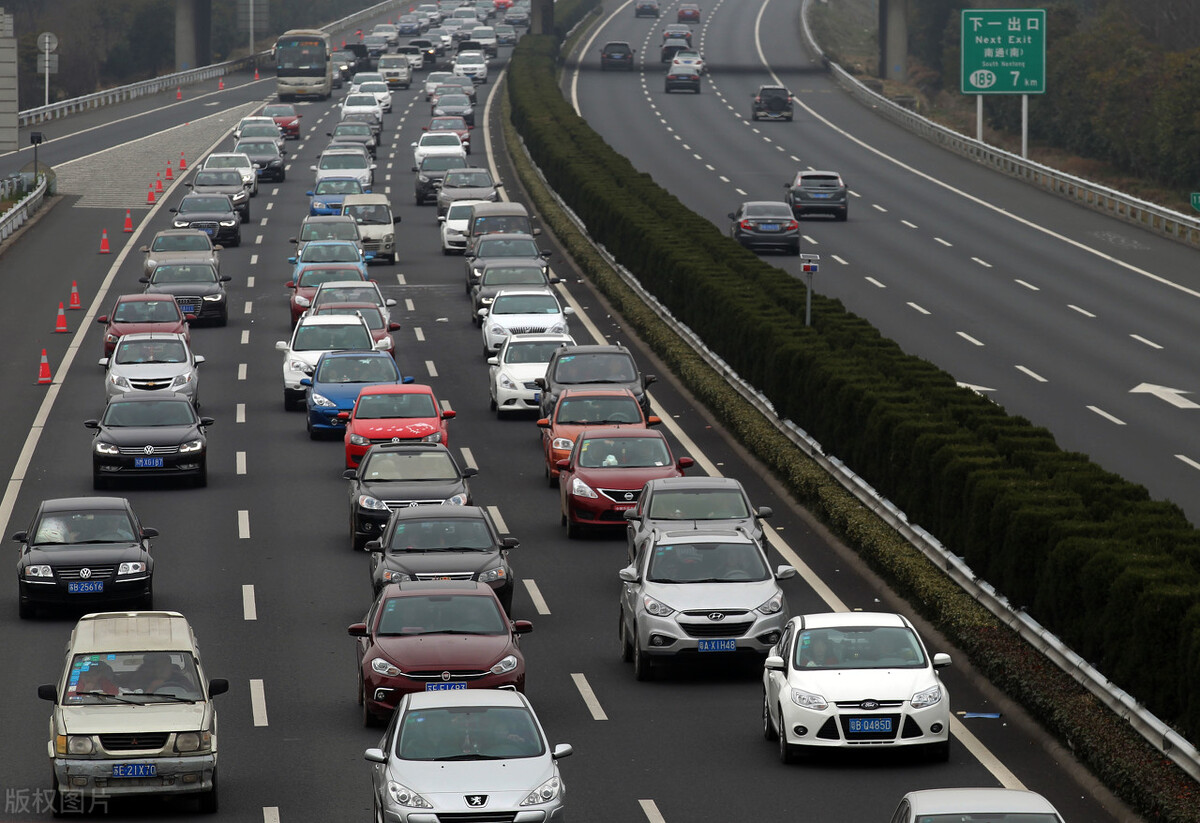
[617,54]
[432,171]
[609,367]
[772,103]
[646,8]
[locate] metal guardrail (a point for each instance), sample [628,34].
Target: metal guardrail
[15,217]
[33,117]
[1167,222]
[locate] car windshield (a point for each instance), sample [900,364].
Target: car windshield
[181,242]
[526,304]
[499,223]
[149,351]
[260,130]
[461,210]
[183,273]
[257,147]
[370,314]
[698,504]
[440,139]
[504,247]
[226,162]
[357,370]
[339,186]
[204,204]
[148,413]
[372,214]
[365,293]
[597,410]
[352,130]
[310,337]
[416,465]
[859,647]
[329,230]
[601,367]
[434,534]
[373,87]
[73,528]
[343,161]
[532,352]
[706,563]
[466,59]
[119,678]
[361,100]
[624,452]
[442,163]
[146,311]
[330,252]
[389,406]
[510,275]
[469,180]
[206,177]
[454,123]
[468,733]
[280,110]
[454,100]
[392,61]
[435,78]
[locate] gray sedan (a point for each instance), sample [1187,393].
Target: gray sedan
[153,362]
[765,225]
[673,503]
[466,184]
[514,248]
[180,246]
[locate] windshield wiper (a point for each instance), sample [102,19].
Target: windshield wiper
[118,698]
[174,698]
[473,756]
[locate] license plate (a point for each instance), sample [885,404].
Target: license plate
[444,687]
[187,308]
[134,770]
[768,227]
[210,232]
[869,725]
[537,397]
[716,645]
[85,586]
[147,462]
[822,196]
[623,506]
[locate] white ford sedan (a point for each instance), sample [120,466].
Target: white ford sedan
[854,680]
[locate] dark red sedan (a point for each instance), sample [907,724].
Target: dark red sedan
[433,636]
[604,476]
[143,313]
[688,13]
[314,274]
[286,117]
[453,123]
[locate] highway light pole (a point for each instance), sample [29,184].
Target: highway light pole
[35,139]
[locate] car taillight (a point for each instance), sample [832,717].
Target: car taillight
[791,224]
[747,225]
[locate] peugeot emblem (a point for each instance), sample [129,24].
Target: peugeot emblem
[445,675]
[148,450]
[85,572]
[628,495]
[716,615]
[476,801]
[869,705]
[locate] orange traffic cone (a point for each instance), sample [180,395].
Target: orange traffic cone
[170,176]
[221,84]
[128,222]
[182,162]
[256,74]
[343,42]
[150,195]
[44,377]
[158,183]
[104,249]
[60,324]
[74,304]
[179,92]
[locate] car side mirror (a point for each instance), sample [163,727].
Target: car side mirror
[648,379]
[764,512]
[103,361]
[784,572]
[350,474]
[470,471]
[562,750]
[632,514]
[207,421]
[20,537]
[540,383]
[775,663]
[653,420]
[543,423]
[91,424]
[148,532]
[562,465]
[449,414]
[628,574]
[46,691]
[375,755]
[493,361]
[731,216]
[144,249]
[143,279]
[685,463]
[218,685]
[357,630]
[102,319]
[941,660]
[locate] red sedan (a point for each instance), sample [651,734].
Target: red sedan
[688,13]
[604,476]
[391,414]
[286,117]
[314,274]
[142,313]
[578,409]
[434,636]
[452,123]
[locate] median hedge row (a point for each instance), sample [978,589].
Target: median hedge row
[1090,555]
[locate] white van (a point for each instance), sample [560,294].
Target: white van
[376,224]
[133,712]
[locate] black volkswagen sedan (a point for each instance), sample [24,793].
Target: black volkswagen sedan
[84,551]
[149,435]
[197,288]
[266,156]
[213,214]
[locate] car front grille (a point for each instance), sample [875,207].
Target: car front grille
[152,385]
[205,225]
[94,572]
[372,245]
[153,450]
[527,329]
[195,301]
[437,675]
[134,742]
[735,628]
[445,576]
[477,817]
[404,504]
[621,495]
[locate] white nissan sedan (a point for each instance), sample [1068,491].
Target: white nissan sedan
[853,680]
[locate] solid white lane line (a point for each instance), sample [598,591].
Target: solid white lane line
[1032,374]
[258,703]
[244,524]
[589,696]
[989,761]
[968,338]
[468,457]
[535,594]
[1149,343]
[501,526]
[1106,415]
[249,608]
[650,809]
[240,461]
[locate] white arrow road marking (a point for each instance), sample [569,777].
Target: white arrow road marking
[1173,396]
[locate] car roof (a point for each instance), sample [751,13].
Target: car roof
[699,482]
[827,620]
[329,218]
[131,631]
[366,199]
[606,433]
[977,801]
[596,393]
[69,504]
[149,397]
[147,297]
[441,513]
[334,355]
[466,697]
[151,335]
[400,388]
[705,535]
[178,232]
[594,348]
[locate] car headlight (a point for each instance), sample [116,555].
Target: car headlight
[111,337]
[436,437]
[424,178]
[498,331]
[119,381]
[558,328]
[182,380]
[228,223]
[772,606]
[151,263]
[358,440]
[656,607]
[300,366]
[191,446]
[323,401]
[390,576]
[550,790]
[106,448]
[366,501]
[38,571]
[80,744]
[318,204]
[214,298]
[506,382]
[562,443]
[193,741]
[403,796]
[181,224]
[925,698]
[581,489]
[505,665]
[389,239]
[492,575]
[133,567]
[457,500]
[385,667]
[487,301]
[807,700]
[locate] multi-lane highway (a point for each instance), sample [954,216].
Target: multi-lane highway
[260,561]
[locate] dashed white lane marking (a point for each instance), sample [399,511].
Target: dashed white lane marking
[501,526]
[1029,286]
[1032,373]
[875,282]
[946,243]
[919,308]
[249,607]
[240,413]
[1084,312]
[241,374]
[468,457]
[243,524]
[969,338]
[419,334]
[1149,343]
[240,462]
[1189,461]
[258,702]
[535,594]
[589,696]
[650,809]
[1106,415]
[432,369]
[983,263]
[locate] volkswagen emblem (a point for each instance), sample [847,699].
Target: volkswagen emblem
[395,439]
[476,801]
[85,572]
[445,675]
[716,615]
[413,504]
[628,495]
[869,705]
[148,450]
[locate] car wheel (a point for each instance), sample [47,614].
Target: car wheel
[201,479]
[148,601]
[208,800]
[25,609]
[787,754]
[99,483]
[58,806]
[223,318]
[643,666]
[794,250]
[420,201]
[843,216]
[282,176]
[940,752]
[312,433]
[626,646]
[769,733]
[357,541]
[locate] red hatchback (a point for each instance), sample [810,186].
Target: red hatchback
[433,636]
[286,117]
[604,476]
[142,313]
[314,274]
[456,124]
[578,409]
[393,414]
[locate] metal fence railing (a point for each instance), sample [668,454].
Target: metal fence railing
[15,217]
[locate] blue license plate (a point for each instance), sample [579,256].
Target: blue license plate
[85,586]
[444,687]
[134,770]
[147,462]
[716,645]
[187,308]
[537,397]
[768,227]
[869,725]
[821,195]
[210,232]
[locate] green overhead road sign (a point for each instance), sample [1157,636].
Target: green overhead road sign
[1004,51]
[1196,200]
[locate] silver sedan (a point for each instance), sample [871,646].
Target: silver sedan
[153,361]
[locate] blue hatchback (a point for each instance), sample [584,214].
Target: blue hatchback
[329,193]
[336,381]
